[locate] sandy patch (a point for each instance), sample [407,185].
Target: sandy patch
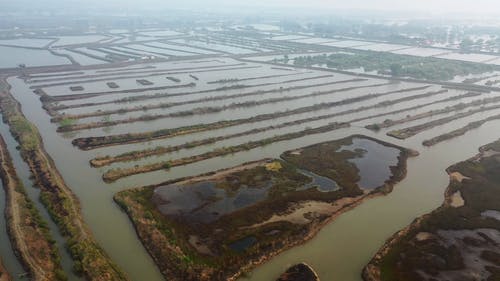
[456,200]
[456,176]
[422,236]
[297,213]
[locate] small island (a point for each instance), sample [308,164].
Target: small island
[299,272]
[219,225]
[459,240]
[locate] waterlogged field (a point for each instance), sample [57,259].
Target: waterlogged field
[161,107]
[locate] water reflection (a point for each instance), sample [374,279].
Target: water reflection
[321,183]
[204,202]
[374,163]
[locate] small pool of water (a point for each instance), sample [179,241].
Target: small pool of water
[243,244]
[375,163]
[204,202]
[491,214]
[323,184]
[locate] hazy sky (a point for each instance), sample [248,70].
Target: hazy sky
[433,6]
[422,5]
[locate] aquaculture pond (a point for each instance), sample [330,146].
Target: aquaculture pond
[12,57]
[341,249]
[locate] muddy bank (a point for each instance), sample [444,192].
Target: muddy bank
[299,272]
[457,241]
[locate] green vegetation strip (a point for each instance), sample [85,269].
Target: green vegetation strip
[115,174]
[160,150]
[234,80]
[88,143]
[433,69]
[457,107]
[411,131]
[467,95]
[459,132]
[28,231]
[64,208]
[202,110]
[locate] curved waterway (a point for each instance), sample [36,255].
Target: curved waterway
[342,248]
[22,170]
[110,226]
[338,252]
[9,259]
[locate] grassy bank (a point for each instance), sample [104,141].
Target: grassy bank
[29,234]
[90,259]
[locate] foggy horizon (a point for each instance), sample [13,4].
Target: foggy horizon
[441,7]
